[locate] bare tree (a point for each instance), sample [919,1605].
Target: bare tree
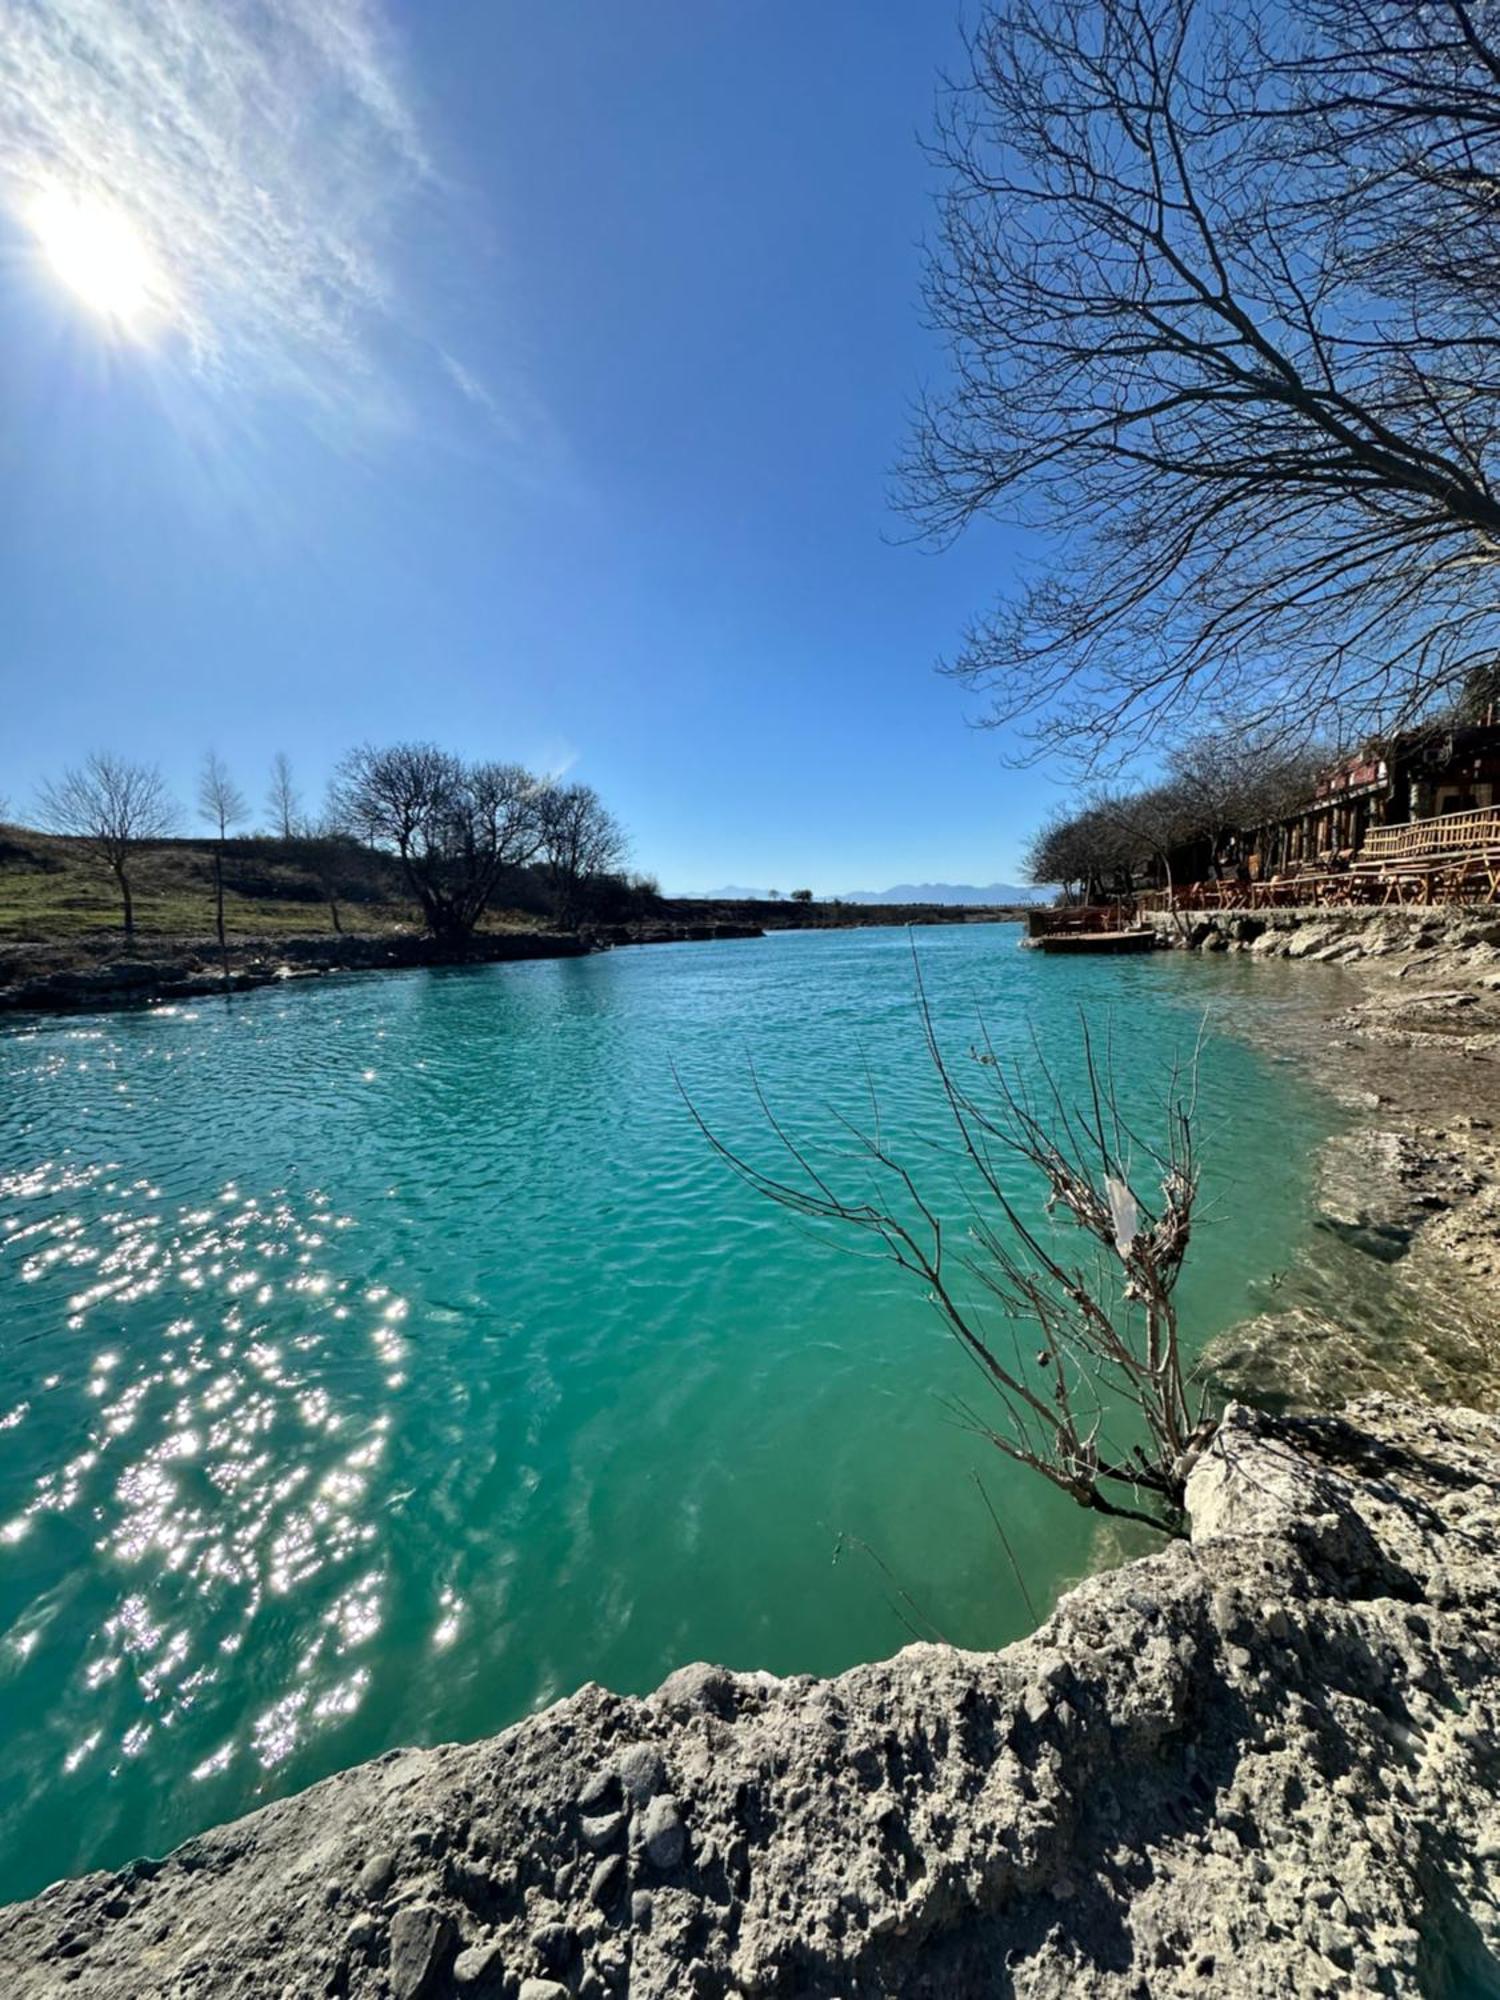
[222,804]
[1222,785]
[109,806]
[1402,103]
[284,801]
[1072,1338]
[580,839]
[342,867]
[1214,326]
[1229,781]
[456,828]
[1086,853]
[1153,822]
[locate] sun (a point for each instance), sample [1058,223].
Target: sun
[100,255]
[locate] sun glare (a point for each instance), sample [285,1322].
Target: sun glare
[100,256]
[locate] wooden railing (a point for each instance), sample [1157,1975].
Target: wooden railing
[1448,833]
[1452,858]
[1079,918]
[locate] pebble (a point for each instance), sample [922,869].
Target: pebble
[597,1833]
[420,1938]
[641,1773]
[607,1881]
[542,1989]
[599,1791]
[662,1832]
[361,1933]
[479,1963]
[640,1909]
[699,1686]
[553,1942]
[1035,1706]
[376,1875]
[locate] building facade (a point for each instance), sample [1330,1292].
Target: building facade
[1416,776]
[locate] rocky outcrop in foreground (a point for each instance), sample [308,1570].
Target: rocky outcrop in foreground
[1265,1763]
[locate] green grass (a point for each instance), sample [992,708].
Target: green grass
[52,892]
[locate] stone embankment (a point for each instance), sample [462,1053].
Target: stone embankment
[1265,1761]
[605,937]
[1338,937]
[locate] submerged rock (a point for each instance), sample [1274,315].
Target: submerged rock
[1263,1762]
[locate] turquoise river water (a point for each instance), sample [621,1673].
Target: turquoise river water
[382,1358]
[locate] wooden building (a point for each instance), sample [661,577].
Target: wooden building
[1417,776]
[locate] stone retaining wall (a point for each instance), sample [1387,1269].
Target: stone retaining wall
[1336,935]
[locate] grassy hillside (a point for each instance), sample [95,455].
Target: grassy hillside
[50,890]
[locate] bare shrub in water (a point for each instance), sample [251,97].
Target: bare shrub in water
[1059,1325]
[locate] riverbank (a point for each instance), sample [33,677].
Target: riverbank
[92,974]
[1397,1287]
[98,971]
[1263,1761]
[1259,1762]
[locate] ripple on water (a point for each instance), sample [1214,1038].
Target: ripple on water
[210,1416]
[381,1360]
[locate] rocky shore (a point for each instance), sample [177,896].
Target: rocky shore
[1442,938]
[1263,1762]
[1398,1284]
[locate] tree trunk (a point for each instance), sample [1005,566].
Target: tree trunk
[219,909]
[124,881]
[333,911]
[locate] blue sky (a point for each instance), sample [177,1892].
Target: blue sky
[526,378]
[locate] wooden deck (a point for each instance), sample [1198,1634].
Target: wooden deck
[1096,941]
[1451,858]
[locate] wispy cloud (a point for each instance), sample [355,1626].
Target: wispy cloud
[265,149]
[469,386]
[557,760]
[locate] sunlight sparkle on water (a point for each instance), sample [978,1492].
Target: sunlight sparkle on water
[204,1517]
[310,1391]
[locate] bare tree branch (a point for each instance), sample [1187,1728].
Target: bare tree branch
[1219,288]
[1101,1321]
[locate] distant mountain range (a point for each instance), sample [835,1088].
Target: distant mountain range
[905,892]
[948,892]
